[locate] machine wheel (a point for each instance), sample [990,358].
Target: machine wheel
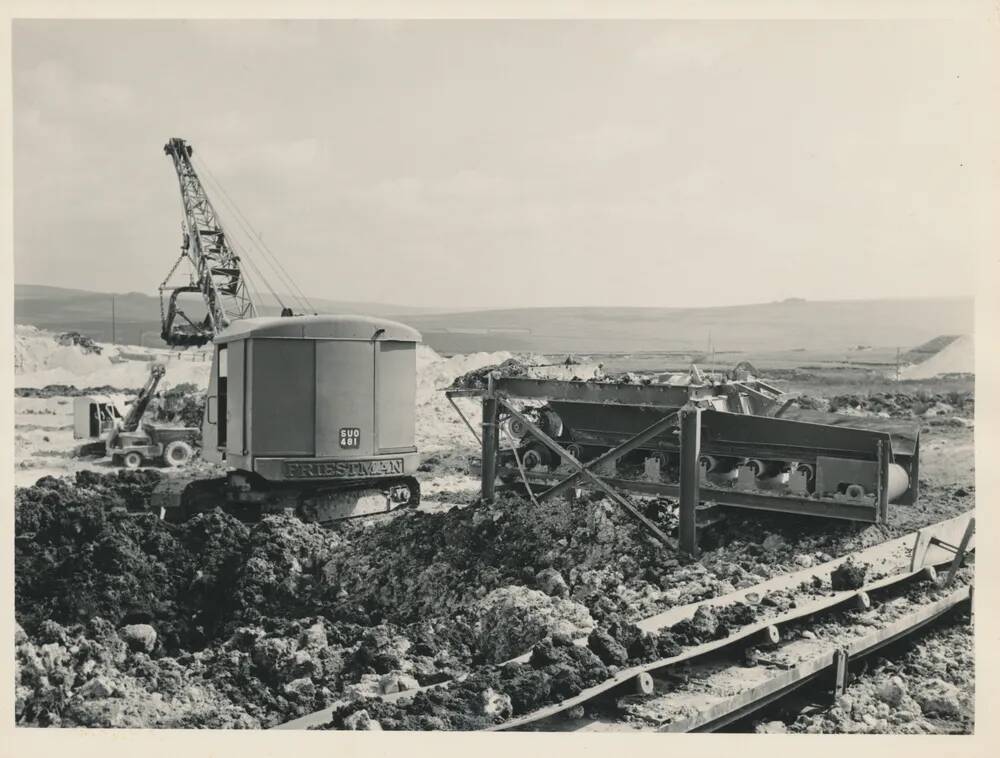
[516,428]
[177,453]
[531,459]
[855,491]
[132,459]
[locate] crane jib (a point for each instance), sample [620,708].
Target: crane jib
[212,266]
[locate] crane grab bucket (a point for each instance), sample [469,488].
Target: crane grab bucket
[209,261]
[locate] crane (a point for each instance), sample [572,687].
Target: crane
[133,443]
[213,266]
[309,414]
[134,417]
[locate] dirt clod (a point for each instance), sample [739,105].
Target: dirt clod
[848,576]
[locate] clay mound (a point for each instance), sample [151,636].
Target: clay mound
[904,404]
[477,378]
[42,359]
[36,350]
[958,357]
[513,619]
[88,675]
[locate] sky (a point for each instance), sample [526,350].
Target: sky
[472,164]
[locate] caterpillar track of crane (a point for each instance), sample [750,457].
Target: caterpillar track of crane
[310,414]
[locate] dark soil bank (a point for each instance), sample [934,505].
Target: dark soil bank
[124,620]
[276,619]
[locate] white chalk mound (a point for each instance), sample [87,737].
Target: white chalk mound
[959,357]
[40,360]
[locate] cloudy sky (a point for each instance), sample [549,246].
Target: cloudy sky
[488,163]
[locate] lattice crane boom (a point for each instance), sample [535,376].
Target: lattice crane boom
[212,265]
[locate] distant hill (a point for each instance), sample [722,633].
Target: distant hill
[137,315]
[788,325]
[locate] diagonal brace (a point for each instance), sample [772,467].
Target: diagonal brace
[960,551]
[462,416]
[613,454]
[581,469]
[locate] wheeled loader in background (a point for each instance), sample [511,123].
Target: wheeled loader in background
[128,441]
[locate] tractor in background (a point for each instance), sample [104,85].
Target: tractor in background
[128,441]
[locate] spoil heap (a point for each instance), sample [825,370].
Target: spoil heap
[920,404]
[182,404]
[281,617]
[66,390]
[85,343]
[129,621]
[477,378]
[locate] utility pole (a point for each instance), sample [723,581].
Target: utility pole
[114,340]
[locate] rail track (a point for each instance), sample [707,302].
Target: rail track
[710,692]
[894,567]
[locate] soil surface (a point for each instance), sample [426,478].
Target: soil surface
[929,690]
[124,620]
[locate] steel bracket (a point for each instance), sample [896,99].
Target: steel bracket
[840,659]
[556,448]
[959,551]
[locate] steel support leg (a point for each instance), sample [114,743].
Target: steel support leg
[690,480]
[491,443]
[840,673]
[464,419]
[882,496]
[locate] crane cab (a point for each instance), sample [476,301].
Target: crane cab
[313,398]
[94,416]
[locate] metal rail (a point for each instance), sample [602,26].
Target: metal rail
[895,558]
[756,697]
[897,561]
[832,665]
[820,661]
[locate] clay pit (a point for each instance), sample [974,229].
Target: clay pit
[127,621]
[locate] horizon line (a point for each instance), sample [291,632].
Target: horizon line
[460,309]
